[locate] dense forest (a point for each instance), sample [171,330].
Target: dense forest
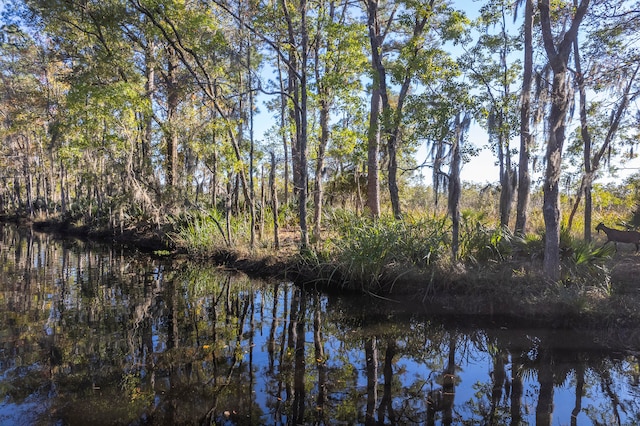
[237,121]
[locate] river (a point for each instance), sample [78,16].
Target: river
[90,334]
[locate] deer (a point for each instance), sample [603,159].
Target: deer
[618,236]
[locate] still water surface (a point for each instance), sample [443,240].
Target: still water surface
[92,335]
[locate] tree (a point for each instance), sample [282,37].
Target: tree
[558,56]
[338,59]
[442,116]
[616,72]
[379,98]
[28,103]
[526,136]
[494,75]
[420,31]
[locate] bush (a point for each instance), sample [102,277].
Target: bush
[200,233]
[365,248]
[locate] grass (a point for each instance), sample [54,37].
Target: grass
[200,233]
[365,250]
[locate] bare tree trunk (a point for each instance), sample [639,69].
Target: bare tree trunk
[293,90]
[526,138]
[298,87]
[455,185]
[373,178]
[394,194]
[263,200]
[274,201]
[63,190]
[228,209]
[285,145]
[251,200]
[379,102]
[585,185]
[319,187]
[172,110]
[394,133]
[551,203]
[558,59]
[214,179]
[304,237]
[144,162]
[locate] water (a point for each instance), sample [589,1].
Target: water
[91,335]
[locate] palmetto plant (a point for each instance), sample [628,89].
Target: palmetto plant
[365,248]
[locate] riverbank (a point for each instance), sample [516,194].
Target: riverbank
[512,288]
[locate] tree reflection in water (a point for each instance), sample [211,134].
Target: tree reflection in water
[89,334]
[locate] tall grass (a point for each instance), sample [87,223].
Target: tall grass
[480,243]
[364,249]
[200,233]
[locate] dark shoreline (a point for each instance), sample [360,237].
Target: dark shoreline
[461,300]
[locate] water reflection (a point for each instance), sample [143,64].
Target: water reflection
[90,335]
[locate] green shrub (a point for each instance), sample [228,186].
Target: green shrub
[479,243]
[199,233]
[364,248]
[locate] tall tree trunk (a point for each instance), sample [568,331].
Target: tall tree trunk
[507,184]
[172,110]
[393,138]
[298,88]
[274,201]
[558,59]
[304,234]
[394,194]
[283,124]
[551,203]
[319,187]
[373,151]
[144,164]
[454,183]
[293,91]
[379,103]
[251,201]
[526,138]
[325,105]
[585,185]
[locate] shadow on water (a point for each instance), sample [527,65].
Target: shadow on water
[91,335]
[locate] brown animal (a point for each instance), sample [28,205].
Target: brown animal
[617,236]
